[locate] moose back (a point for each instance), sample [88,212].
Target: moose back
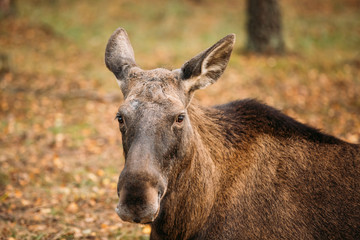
[242,170]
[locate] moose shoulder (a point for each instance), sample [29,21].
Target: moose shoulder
[237,171]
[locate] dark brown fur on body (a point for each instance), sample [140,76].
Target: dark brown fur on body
[242,170]
[272,180]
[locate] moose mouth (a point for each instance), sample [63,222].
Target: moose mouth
[136,220]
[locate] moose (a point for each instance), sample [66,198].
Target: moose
[242,170]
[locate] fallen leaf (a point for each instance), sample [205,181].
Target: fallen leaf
[39,227]
[100,172]
[86,231]
[146,229]
[106,181]
[89,219]
[72,208]
[18,193]
[45,210]
[25,202]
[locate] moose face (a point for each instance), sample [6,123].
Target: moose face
[155,126]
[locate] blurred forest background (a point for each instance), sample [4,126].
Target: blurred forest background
[60,148]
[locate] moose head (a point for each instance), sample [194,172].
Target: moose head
[157,134]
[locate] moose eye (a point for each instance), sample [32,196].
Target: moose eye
[120,119]
[180,118]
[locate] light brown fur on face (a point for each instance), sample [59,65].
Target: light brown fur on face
[242,170]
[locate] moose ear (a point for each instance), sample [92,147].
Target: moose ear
[205,68]
[119,55]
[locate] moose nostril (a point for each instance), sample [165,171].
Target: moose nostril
[136,220]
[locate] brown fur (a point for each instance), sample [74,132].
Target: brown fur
[242,170]
[271,177]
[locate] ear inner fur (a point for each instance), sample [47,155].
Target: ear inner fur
[205,68]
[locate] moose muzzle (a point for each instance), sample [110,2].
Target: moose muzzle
[139,196]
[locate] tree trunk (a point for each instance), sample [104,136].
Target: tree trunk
[264,27]
[7,8]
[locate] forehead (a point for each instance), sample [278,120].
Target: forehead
[154,87]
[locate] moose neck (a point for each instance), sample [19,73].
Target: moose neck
[197,181]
